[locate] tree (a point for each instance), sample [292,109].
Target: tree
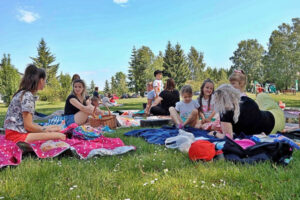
[175,65]
[196,64]
[132,70]
[283,58]
[121,82]
[9,79]
[45,60]
[141,60]
[65,82]
[92,86]
[156,64]
[113,85]
[249,57]
[106,87]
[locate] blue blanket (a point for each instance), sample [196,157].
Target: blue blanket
[158,136]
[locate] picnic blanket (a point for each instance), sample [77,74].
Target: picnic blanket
[11,154]
[158,136]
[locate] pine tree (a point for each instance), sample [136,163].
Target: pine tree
[45,60]
[114,85]
[9,79]
[175,65]
[196,64]
[132,71]
[121,82]
[106,87]
[92,88]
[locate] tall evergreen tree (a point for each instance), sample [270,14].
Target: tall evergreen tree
[45,60]
[106,87]
[175,65]
[132,70]
[92,88]
[9,79]
[196,64]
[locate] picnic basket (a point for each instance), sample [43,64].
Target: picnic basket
[106,120]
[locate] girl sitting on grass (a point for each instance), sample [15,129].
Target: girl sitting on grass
[206,108]
[187,109]
[18,124]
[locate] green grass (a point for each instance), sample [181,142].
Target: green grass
[173,175]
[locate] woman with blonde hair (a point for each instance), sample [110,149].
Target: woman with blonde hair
[241,114]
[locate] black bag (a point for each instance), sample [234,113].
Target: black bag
[278,152]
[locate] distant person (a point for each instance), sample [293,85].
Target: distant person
[166,99]
[187,108]
[18,123]
[77,108]
[158,84]
[96,93]
[238,80]
[75,77]
[150,97]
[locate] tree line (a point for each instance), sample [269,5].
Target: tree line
[279,64]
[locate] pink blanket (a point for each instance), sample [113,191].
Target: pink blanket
[11,154]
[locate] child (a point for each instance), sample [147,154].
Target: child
[187,109]
[158,83]
[206,110]
[238,80]
[150,97]
[95,103]
[18,123]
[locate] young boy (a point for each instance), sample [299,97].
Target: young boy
[150,97]
[158,83]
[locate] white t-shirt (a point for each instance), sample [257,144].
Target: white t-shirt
[159,84]
[205,110]
[151,95]
[185,109]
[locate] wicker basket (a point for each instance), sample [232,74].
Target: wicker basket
[106,120]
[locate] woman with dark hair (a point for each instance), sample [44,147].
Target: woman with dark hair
[240,114]
[75,77]
[166,99]
[77,108]
[18,124]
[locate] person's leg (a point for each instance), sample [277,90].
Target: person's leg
[192,119]
[175,117]
[158,110]
[266,103]
[80,118]
[31,137]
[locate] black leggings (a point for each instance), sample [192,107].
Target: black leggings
[159,110]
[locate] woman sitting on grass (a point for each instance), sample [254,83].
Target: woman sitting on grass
[77,108]
[240,114]
[166,99]
[18,124]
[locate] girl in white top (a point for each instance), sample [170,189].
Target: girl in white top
[206,107]
[187,108]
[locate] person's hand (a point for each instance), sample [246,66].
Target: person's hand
[207,120]
[53,128]
[216,134]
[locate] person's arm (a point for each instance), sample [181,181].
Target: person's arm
[149,102]
[87,109]
[35,128]
[226,128]
[157,101]
[211,116]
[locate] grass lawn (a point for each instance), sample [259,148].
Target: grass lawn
[150,172]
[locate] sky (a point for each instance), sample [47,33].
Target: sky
[94,38]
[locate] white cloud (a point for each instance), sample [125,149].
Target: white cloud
[120,1]
[27,16]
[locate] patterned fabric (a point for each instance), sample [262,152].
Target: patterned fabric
[14,119]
